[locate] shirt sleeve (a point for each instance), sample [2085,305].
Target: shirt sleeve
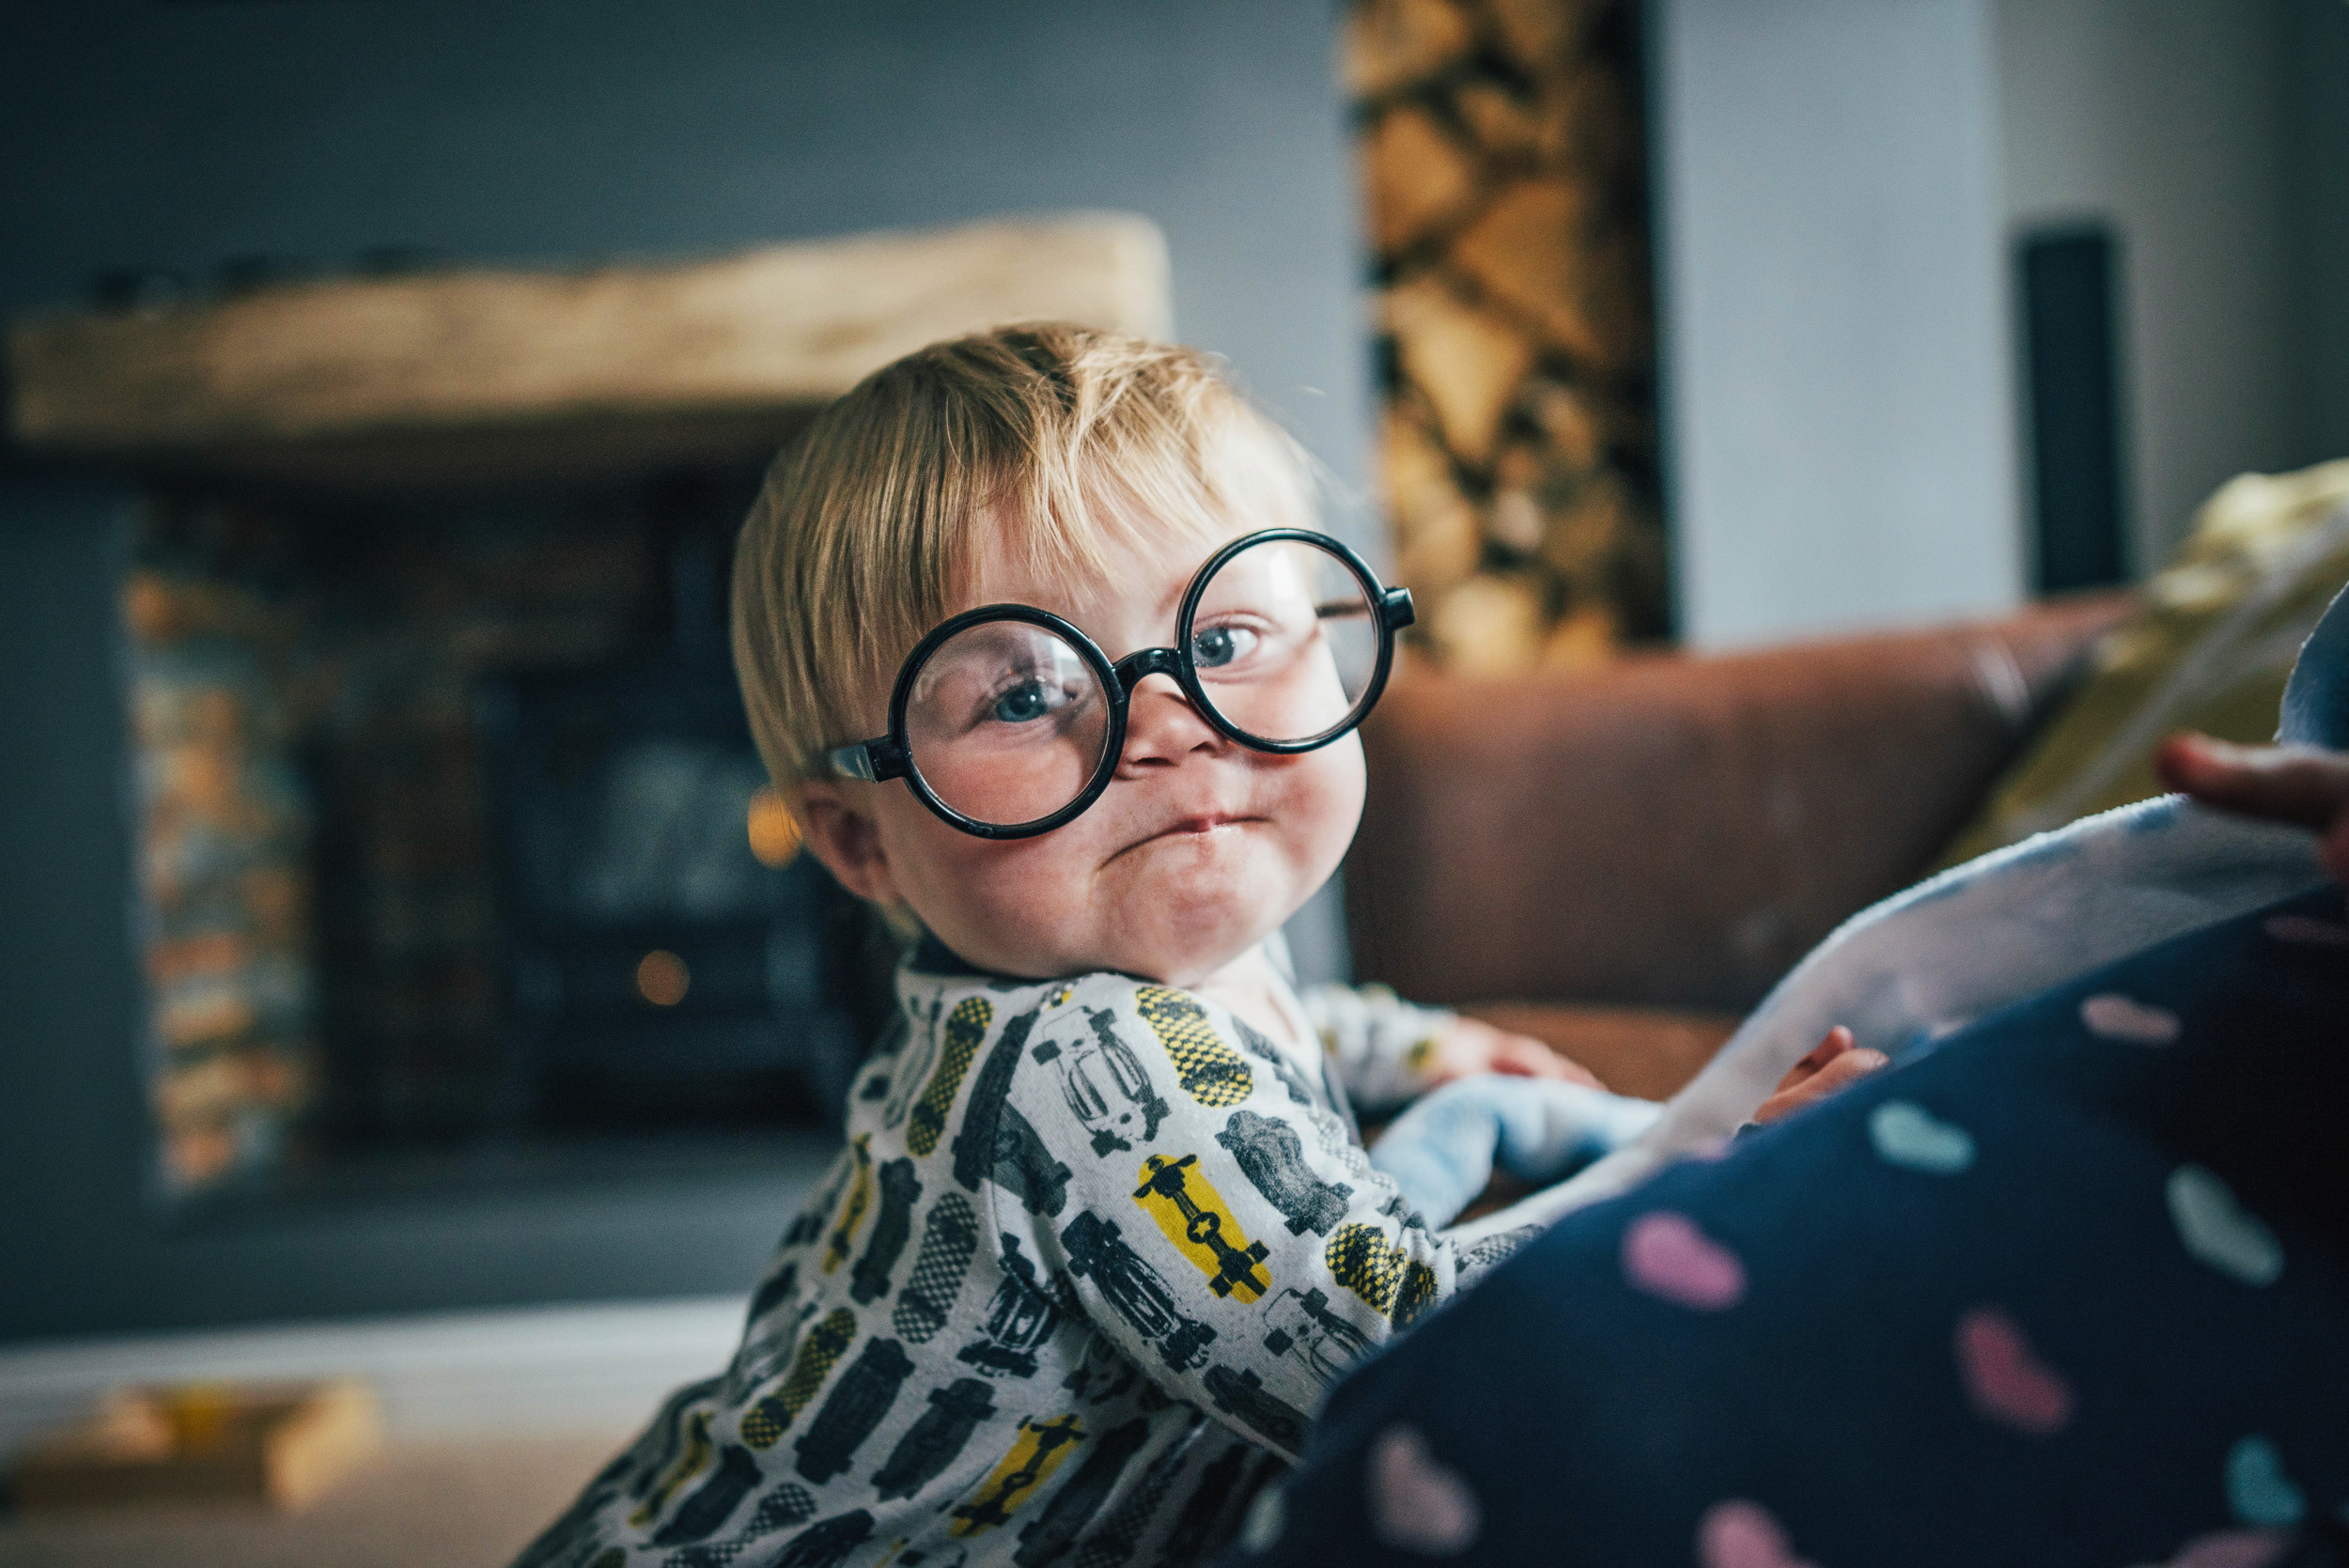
[1379,1043]
[1216,1221]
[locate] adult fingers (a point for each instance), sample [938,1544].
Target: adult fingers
[2283,783]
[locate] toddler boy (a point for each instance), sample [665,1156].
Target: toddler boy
[1015,642]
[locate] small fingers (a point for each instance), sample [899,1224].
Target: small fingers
[1845,1071]
[1527,1057]
[1838,1041]
[1847,1067]
[1569,1070]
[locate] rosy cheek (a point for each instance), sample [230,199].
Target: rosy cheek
[1325,803]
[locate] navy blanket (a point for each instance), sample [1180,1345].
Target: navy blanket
[2068,1287]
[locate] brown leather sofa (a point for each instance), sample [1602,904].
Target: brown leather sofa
[1622,861]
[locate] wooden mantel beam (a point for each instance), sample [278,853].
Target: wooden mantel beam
[483,375]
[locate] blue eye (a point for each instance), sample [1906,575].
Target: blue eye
[1023,704]
[1218,646]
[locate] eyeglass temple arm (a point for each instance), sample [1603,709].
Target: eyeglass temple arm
[872,760]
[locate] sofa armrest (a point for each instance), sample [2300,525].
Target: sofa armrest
[1675,830]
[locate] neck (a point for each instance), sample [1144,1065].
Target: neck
[1252,988]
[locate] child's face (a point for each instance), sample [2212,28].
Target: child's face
[1198,848]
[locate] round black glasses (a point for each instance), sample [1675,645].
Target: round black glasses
[1008,721]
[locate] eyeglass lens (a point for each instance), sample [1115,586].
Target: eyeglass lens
[1285,641]
[1006,722]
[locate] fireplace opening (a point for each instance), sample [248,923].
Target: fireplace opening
[455,860]
[455,852]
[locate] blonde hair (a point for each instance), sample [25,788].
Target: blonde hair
[1058,442]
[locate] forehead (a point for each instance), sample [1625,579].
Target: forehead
[1128,596]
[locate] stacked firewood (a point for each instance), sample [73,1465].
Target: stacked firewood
[1503,155]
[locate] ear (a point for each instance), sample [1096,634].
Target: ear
[844,835]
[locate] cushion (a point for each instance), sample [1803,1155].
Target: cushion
[2210,651]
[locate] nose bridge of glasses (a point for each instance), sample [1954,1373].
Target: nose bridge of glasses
[1140,665]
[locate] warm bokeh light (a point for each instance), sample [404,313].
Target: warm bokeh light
[774,832]
[662,978]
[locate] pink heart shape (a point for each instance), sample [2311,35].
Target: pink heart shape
[2118,1018]
[2006,1381]
[1665,1254]
[2234,1548]
[1416,1503]
[2301,928]
[1741,1535]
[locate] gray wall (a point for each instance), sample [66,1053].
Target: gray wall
[1837,400]
[2316,154]
[176,135]
[2168,118]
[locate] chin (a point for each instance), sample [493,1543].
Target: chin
[1186,939]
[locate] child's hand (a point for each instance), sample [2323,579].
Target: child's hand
[1471,1046]
[2283,783]
[1835,1062]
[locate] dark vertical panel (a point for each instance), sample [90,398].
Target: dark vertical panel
[2071,340]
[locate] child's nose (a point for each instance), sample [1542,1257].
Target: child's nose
[1161,726]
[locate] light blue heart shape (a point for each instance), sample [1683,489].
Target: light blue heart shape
[2257,1488]
[1907,1134]
[2218,1230]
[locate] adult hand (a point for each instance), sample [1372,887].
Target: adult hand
[2301,784]
[1835,1062]
[1471,1046]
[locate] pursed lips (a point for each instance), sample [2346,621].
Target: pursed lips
[1192,826]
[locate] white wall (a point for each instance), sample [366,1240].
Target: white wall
[1837,385]
[2170,118]
[1839,186]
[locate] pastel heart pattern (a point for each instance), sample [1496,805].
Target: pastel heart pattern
[1268,1517]
[2306,931]
[2232,1549]
[2005,1379]
[2114,1017]
[2220,1232]
[1741,1535]
[1416,1503]
[2258,1489]
[1908,1135]
[1665,1254]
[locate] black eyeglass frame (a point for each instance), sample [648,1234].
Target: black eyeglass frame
[891,756]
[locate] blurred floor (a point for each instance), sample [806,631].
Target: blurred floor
[442,1504]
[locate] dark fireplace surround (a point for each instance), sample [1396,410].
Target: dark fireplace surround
[379,622]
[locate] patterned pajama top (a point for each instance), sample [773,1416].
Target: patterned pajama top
[1071,1294]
